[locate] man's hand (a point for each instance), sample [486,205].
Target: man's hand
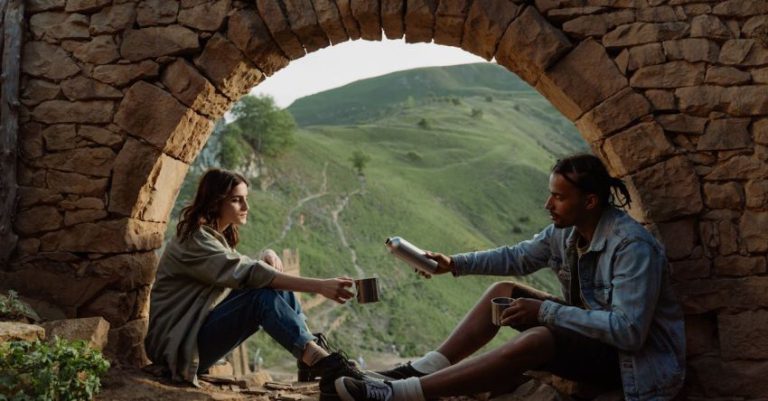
[444,264]
[336,289]
[270,257]
[522,312]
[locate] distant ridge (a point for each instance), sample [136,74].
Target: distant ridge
[374,97]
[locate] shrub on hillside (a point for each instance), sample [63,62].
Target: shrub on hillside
[59,371]
[424,124]
[477,113]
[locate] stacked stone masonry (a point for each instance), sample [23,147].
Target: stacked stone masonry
[119,96]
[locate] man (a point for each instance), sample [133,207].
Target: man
[618,324]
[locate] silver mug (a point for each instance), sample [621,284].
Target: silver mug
[498,305]
[367,290]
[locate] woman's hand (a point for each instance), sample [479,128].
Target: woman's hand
[270,257]
[336,289]
[444,264]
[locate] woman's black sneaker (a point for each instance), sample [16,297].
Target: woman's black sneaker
[402,372]
[305,372]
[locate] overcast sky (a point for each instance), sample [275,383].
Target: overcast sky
[350,61]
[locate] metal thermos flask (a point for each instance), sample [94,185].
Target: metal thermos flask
[411,254]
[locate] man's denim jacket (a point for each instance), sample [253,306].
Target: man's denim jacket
[625,287]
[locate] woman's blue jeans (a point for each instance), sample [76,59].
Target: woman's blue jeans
[242,313]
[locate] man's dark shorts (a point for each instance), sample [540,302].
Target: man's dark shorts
[578,357]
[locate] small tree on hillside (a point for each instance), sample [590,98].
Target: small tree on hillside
[359,160]
[265,127]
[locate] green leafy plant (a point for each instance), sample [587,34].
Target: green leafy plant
[12,308]
[359,160]
[56,371]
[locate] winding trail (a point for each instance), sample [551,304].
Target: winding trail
[289,218]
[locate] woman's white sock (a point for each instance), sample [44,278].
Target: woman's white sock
[431,362]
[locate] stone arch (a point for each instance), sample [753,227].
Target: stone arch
[119,96]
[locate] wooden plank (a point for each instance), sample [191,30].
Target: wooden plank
[9,121]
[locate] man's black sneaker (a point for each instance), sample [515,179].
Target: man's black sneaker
[402,372]
[331,368]
[350,389]
[306,373]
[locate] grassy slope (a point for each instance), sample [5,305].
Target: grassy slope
[464,184]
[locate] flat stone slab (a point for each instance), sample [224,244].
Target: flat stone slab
[15,331]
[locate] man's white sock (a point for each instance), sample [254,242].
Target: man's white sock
[407,390]
[431,362]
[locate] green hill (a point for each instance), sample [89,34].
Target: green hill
[463,169]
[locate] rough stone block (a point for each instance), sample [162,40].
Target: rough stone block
[645,55]
[41,59]
[613,114]
[685,270]
[15,331]
[330,21]
[112,236]
[709,26]
[392,17]
[486,22]
[126,343]
[752,229]
[55,26]
[99,50]
[700,334]
[82,88]
[683,123]
[368,15]
[636,147]
[449,21]
[667,190]
[726,76]
[729,195]
[757,193]
[153,42]
[226,67]
[643,32]
[126,271]
[692,50]
[37,219]
[303,22]
[250,34]
[93,161]
[74,183]
[277,23]
[530,45]
[674,74]
[662,99]
[678,237]
[116,18]
[149,112]
[192,89]
[725,134]
[123,74]
[208,16]
[145,182]
[571,89]
[744,335]
[114,306]
[740,8]
[93,330]
[419,20]
[738,266]
[62,111]
[36,91]
[350,23]
[156,12]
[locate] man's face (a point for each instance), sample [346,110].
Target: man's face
[566,204]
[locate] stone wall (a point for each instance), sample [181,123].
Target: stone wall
[118,97]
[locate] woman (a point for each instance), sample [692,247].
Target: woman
[208,298]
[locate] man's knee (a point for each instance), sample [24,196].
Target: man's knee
[501,289]
[537,343]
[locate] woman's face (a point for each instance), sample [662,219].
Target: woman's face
[234,208]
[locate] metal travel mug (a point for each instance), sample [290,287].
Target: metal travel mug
[411,254]
[367,290]
[498,305]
